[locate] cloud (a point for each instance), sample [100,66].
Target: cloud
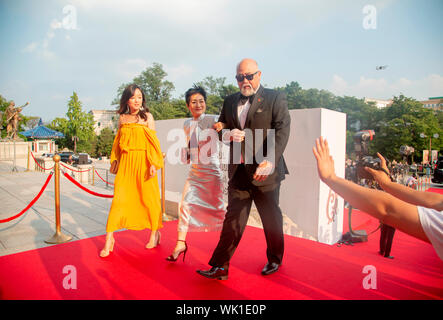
[30,47]
[177,72]
[130,68]
[42,48]
[421,89]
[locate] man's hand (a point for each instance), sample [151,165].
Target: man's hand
[237,135]
[325,163]
[380,176]
[263,170]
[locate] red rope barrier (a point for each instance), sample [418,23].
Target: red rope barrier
[73,169]
[31,203]
[103,179]
[86,189]
[40,165]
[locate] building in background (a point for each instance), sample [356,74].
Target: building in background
[105,119]
[435,103]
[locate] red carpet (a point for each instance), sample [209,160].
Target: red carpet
[435,190]
[310,270]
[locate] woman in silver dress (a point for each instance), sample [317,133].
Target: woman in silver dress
[202,207]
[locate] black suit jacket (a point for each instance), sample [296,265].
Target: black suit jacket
[269,110]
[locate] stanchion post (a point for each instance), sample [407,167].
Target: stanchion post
[14,166]
[29,154]
[107,179]
[58,237]
[165,217]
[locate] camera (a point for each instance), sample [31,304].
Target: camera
[369,162]
[361,143]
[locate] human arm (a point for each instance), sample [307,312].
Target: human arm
[115,152]
[281,122]
[379,204]
[417,198]
[151,122]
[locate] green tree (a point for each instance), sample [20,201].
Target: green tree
[104,142]
[216,91]
[401,124]
[80,126]
[169,110]
[152,82]
[60,125]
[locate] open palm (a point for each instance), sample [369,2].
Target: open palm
[325,163]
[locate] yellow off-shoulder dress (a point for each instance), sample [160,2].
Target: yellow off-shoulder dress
[136,204]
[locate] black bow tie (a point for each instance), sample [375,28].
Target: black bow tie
[243,98]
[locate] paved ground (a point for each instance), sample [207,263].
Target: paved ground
[82,215]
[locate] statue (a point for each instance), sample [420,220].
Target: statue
[12,119]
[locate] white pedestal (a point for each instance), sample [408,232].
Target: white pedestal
[311,209]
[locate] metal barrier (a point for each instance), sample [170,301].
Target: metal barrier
[58,237]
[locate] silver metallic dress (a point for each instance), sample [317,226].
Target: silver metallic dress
[202,207]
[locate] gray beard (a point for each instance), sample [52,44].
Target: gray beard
[247,92]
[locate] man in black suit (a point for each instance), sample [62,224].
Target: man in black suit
[256,168]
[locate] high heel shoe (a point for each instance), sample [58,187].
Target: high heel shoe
[157,241]
[174,256]
[105,252]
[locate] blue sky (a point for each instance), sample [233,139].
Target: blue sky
[51,48]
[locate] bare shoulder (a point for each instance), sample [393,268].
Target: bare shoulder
[122,119]
[150,121]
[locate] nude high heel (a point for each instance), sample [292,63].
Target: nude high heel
[157,241]
[105,252]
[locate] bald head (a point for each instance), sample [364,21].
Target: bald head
[247,63]
[248,67]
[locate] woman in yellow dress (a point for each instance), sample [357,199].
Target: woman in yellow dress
[137,154]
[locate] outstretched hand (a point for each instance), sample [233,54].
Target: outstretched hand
[380,176]
[325,163]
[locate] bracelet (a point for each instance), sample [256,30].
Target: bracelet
[385,171]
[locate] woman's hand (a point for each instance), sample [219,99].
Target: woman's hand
[114,167]
[150,172]
[219,126]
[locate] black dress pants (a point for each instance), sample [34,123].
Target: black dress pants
[386,237]
[241,193]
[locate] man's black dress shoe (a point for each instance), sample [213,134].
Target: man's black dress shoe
[270,268]
[215,273]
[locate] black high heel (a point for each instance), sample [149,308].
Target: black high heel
[172,258]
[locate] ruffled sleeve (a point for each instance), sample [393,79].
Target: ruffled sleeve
[154,154]
[116,152]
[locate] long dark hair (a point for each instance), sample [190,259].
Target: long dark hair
[126,95]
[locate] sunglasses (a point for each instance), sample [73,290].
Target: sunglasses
[241,77]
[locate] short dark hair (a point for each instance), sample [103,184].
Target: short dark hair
[126,95]
[195,89]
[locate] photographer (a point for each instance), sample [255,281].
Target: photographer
[416,213]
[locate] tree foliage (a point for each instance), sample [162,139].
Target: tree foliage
[402,123]
[104,143]
[152,82]
[78,127]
